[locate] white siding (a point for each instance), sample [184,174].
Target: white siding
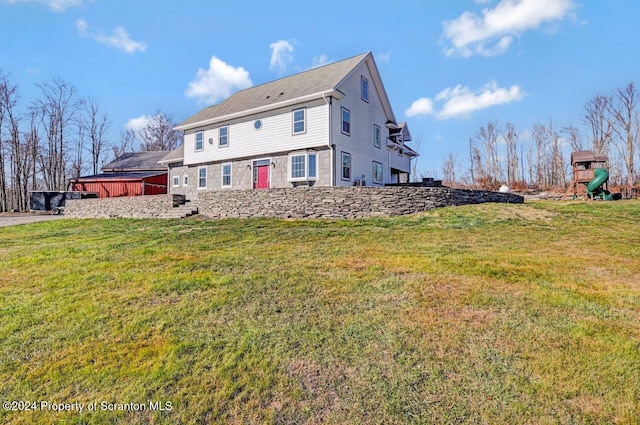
[360,143]
[276,135]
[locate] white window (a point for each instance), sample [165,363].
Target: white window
[223,136]
[299,121]
[346,121]
[199,141]
[176,181]
[202,178]
[376,136]
[346,166]
[364,92]
[185,180]
[303,167]
[377,172]
[226,175]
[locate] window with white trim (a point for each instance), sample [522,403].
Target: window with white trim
[185,180]
[299,121]
[223,136]
[199,140]
[377,172]
[346,122]
[176,181]
[202,178]
[364,89]
[226,175]
[376,136]
[303,167]
[346,166]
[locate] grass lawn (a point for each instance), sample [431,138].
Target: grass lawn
[486,314]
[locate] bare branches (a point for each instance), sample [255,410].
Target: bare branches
[159,135]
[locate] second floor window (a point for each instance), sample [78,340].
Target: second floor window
[299,124]
[346,121]
[376,136]
[199,140]
[223,136]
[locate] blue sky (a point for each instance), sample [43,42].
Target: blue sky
[448,66]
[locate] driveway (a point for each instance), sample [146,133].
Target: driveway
[13,219]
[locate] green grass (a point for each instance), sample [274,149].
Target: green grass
[486,314]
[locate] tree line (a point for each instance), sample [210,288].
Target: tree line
[499,154]
[61,135]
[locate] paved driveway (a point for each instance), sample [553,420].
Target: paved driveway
[13,219]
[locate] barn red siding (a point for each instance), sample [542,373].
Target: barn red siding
[112,188]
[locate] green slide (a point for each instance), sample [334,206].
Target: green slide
[594,188]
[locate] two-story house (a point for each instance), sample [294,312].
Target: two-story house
[328,126]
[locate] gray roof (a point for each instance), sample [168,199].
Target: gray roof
[135,175]
[137,161]
[309,82]
[175,155]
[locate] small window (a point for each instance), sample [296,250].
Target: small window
[313,170]
[303,167]
[299,124]
[257,124]
[202,178]
[376,136]
[199,141]
[176,181]
[185,180]
[346,121]
[226,175]
[377,172]
[223,136]
[346,166]
[365,89]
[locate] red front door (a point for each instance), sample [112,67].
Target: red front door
[261,177]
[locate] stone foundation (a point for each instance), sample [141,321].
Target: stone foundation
[341,202]
[298,202]
[152,206]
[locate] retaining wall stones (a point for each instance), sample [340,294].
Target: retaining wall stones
[127,207]
[297,202]
[340,202]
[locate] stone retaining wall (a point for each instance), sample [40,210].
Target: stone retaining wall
[340,202]
[130,207]
[299,202]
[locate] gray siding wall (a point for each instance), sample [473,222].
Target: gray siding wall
[242,174]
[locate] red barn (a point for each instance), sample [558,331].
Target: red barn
[132,174]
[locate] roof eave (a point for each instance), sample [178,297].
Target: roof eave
[319,95]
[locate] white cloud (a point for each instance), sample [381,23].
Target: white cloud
[383,57]
[493,32]
[137,124]
[55,5]
[321,61]
[422,106]
[218,82]
[281,55]
[119,39]
[461,101]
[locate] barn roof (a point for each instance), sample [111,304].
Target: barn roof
[131,175]
[137,161]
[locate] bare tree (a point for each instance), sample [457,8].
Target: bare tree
[597,120]
[487,137]
[449,170]
[159,133]
[127,143]
[572,134]
[540,144]
[414,163]
[5,92]
[624,116]
[60,107]
[95,126]
[511,139]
